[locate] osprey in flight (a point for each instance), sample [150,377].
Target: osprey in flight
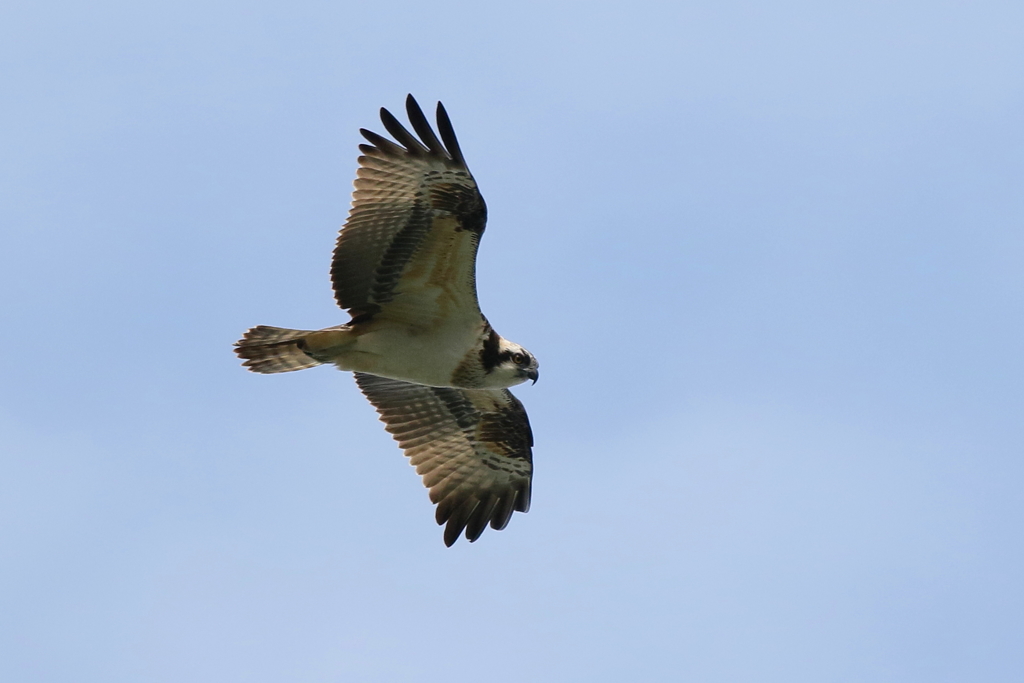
[421,350]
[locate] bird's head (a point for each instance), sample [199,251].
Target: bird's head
[514,366]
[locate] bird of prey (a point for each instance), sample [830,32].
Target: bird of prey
[422,352]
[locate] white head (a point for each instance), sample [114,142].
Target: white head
[506,363]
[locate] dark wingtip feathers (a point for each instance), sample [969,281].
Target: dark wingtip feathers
[447,147]
[444,126]
[404,137]
[523,499]
[473,516]
[382,143]
[422,127]
[481,516]
[458,521]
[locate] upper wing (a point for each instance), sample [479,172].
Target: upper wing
[472,447]
[408,249]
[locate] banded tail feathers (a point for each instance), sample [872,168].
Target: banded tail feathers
[269,350]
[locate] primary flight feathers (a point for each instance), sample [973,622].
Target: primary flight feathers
[421,350]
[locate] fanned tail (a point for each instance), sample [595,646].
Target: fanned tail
[275,349]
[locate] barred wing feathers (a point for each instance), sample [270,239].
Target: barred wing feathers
[473,448]
[408,248]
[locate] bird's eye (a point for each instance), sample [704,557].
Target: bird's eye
[518,359]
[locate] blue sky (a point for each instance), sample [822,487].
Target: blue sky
[770,256]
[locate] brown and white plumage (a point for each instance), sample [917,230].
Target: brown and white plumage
[423,353]
[471,446]
[408,250]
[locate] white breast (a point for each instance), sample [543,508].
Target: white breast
[402,352]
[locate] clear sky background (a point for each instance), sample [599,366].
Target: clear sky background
[770,256]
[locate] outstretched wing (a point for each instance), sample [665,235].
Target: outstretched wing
[408,249]
[471,446]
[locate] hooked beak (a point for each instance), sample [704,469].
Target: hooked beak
[534,375]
